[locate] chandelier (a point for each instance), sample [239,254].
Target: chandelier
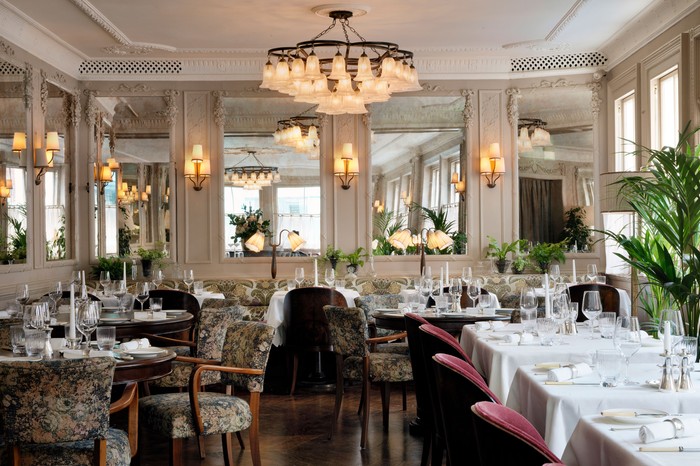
[540,136]
[252,176]
[361,72]
[299,133]
[126,195]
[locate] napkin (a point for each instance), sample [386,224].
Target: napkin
[526,338]
[496,324]
[482,326]
[667,430]
[19,358]
[512,338]
[78,354]
[134,344]
[138,315]
[570,372]
[4,315]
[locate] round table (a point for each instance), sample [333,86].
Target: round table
[452,323]
[143,369]
[175,327]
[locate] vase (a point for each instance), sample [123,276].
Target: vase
[502,265]
[147,266]
[352,270]
[517,270]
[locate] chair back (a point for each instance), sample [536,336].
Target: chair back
[464,299]
[459,386]
[306,326]
[413,322]
[609,297]
[247,344]
[348,330]
[33,392]
[65,298]
[210,330]
[176,299]
[505,437]
[371,302]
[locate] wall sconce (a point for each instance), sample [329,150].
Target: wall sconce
[434,239]
[406,198]
[378,206]
[43,158]
[19,143]
[5,188]
[493,166]
[346,168]
[256,243]
[198,169]
[460,186]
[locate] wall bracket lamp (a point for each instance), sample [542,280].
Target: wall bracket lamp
[5,188]
[493,166]
[346,168]
[43,157]
[257,241]
[198,169]
[460,186]
[434,239]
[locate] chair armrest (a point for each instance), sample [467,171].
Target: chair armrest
[129,400]
[387,338]
[194,360]
[128,396]
[169,341]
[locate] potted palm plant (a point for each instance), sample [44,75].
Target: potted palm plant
[500,253]
[543,254]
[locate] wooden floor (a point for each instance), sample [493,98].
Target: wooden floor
[294,432]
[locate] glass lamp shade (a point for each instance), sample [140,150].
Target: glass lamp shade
[295,241]
[256,243]
[540,137]
[401,239]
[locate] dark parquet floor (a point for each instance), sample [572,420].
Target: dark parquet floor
[294,432]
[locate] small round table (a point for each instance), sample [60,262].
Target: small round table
[450,322]
[174,327]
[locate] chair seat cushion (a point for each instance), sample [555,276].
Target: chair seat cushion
[170,414]
[383,367]
[395,348]
[78,453]
[180,376]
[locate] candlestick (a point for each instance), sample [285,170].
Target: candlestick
[71,319]
[573,263]
[547,309]
[469,272]
[315,271]
[667,336]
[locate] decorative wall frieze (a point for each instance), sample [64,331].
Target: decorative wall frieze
[135,89]
[596,99]
[44,92]
[468,111]
[12,91]
[514,96]
[219,110]
[128,50]
[75,108]
[6,49]
[171,106]
[28,78]
[135,124]
[367,117]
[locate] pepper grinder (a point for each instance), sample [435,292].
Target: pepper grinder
[685,384]
[667,384]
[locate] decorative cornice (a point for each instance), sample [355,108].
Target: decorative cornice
[128,50]
[135,89]
[596,100]
[171,106]
[219,110]
[468,111]
[44,90]
[565,20]
[513,96]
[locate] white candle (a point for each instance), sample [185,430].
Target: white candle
[442,274]
[82,272]
[573,263]
[71,320]
[547,309]
[315,271]
[447,272]
[469,272]
[667,336]
[124,274]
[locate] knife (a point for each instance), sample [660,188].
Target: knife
[567,382]
[617,413]
[680,449]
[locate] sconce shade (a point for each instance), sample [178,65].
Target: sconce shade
[52,144]
[495,150]
[346,168]
[540,137]
[40,158]
[492,168]
[455,178]
[189,168]
[197,153]
[144,197]
[524,144]
[485,165]
[256,243]
[19,142]
[500,166]
[148,189]
[112,163]
[198,169]
[105,174]
[401,239]
[347,150]
[295,241]
[438,239]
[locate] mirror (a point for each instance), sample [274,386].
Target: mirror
[417,146]
[287,194]
[556,176]
[133,176]
[56,180]
[13,173]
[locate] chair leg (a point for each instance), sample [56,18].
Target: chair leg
[227,444]
[240,440]
[295,367]
[339,389]
[175,451]
[425,456]
[365,410]
[254,428]
[200,444]
[403,390]
[385,390]
[100,452]
[362,403]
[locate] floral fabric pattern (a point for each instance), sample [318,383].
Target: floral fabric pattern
[371,302]
[248,345]
[79,453]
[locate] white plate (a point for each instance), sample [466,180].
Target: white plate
[176,312]
[638,420]
[114,320]
[145,352]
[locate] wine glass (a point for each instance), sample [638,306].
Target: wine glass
[299,276]
[473,290]
[591,308]
[466,274]
[120,292]
[158,277]
[104,281]
[22,295]
[330,276]
[628,339]
[54,295]
[188,278]
[555,273]
[87,319]
[528,309]
[142,293]
[456,292]
[75,277]
[485,302]
[591,273]
[426,288]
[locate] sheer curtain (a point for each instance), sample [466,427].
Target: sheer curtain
[541,210]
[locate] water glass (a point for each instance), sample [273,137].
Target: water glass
[592,307]
[329,276]
[554,272]
[606,322]
[485,302]
[547,330]
[17,339]
[688,346]
[154,305]
[528,318]
[198,287]
[291,285]
[591,273]
[105,280]
[609,364]
[35,342]
[188,278]
[106,337]
[299,275]
[441,303]
[13,310]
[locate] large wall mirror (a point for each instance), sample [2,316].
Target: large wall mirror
[13,163]
[556,164]
[132,176]
[271,174]
[417,153]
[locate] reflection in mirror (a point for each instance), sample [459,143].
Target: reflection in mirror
[417,158]
[287,194]
[133,192]
[13,162]
[555,147]
[57,178]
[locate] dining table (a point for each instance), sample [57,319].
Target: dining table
[451,322]
[601,441]
[554,410]
[172,325]
[498,360]
[109,300]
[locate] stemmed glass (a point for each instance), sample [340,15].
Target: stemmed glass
[39,318]
[591,273]
[22,295]
[466,275]
[75,277]
[628,339]
[87,320]
[591,308]
[142,293]
[426,289]
[158,278]
[554,273]
[456,292]
[485,302]
[188,278]
[120,292]
[473,290]
[330,276]
[528,309]
[104,281]
[299,276]
[54,295]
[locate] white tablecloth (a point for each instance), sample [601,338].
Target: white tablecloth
[555,410]
[621,447]
[498,361]
[275,311]
[625,302]
[495,304]
[113,301]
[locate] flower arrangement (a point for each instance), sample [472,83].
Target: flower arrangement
[249,222]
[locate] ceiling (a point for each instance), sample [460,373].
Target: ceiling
[225,29]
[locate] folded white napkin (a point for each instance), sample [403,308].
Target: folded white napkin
[526,338]
[482,326]
[497,324]
[644,334]
[512,338]
[77,354]
[570,372]
[135,344]
[138,315]
[667,429]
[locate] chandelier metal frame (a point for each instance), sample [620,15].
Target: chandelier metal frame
[252,176]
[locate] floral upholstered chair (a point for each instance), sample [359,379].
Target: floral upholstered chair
[349,336]
[370,303]
[56,412]
[184,415]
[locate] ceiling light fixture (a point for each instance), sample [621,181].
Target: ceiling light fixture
[540,136]
[252,176]
[301,134]
[361,72]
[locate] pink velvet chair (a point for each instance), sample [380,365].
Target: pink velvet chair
[425,414]
[506,437]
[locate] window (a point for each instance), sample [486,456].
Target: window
[234,199]
[16,213]
[625,133]
[299,209]
[664,109]
[55,212]
[434,187]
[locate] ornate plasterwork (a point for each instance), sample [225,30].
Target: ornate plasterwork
[171,106]
[512,109]
[596,100]
[44,92]
[128,49]
[367,117]
[6,49]
[468,111]
[91,112]
[565,20]
[28,77]
[219,110]
[135,89]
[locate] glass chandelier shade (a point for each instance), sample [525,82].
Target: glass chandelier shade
[299,133]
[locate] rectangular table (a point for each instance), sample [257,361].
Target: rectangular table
[498,361]
[555,410]
[594,444]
